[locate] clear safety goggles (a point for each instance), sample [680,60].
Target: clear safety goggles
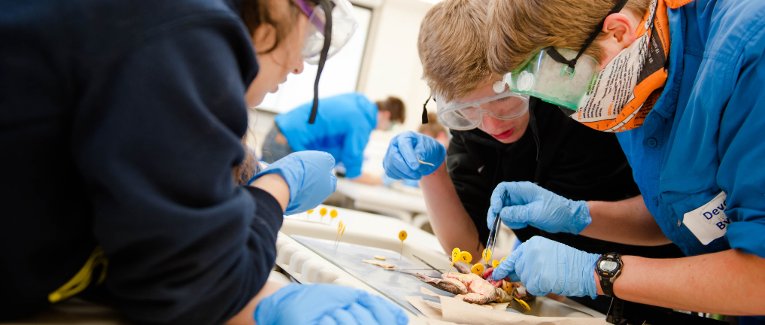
[343,25]
[505,105]
[560,76]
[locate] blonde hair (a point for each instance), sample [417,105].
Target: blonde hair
[520,28]
[452,47]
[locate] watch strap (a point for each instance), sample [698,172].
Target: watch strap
[607,278]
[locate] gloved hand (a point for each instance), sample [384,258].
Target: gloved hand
[545,266]
[308,175]
[402,161]
[520,204]
[326,304]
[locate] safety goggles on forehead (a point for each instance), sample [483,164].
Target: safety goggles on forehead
[331,26]
[560,76]
[467,115]
[342,26]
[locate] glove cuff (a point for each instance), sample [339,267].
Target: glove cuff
[581,212]
[589,273]
[267,310]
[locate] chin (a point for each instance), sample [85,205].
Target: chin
[255,100]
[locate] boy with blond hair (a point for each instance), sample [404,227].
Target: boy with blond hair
[682,81]
[499,136]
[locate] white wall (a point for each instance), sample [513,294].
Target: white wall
[391,65]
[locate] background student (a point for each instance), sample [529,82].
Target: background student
[342,129]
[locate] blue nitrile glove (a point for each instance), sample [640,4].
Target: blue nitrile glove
[326,304]
[308,175]
[545,266]
[521,204]
[406,150]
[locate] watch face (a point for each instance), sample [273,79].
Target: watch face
[608,266]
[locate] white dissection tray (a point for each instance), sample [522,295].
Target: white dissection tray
[311,250]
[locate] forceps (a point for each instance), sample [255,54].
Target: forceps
[492,240]
[425,162]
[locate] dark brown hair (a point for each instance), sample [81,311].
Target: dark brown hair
[395,106]
[256,13]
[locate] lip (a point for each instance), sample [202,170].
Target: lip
[504,135]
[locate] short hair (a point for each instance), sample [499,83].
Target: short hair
[452,46]
[520,28]
[395,106]
[257,13]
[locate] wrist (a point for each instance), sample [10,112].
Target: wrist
[438,173]
[608,267]
[274,184]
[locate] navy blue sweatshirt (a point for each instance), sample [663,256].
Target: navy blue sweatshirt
[120,122]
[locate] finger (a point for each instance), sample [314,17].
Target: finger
[408,155]
[519,193]
[345,317]
[327,320]
[515,217]
[506,269]
[384,312]
[400,170]
[361,315]
[490,217]
[324,158]
[496,201]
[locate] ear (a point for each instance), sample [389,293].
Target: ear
[264,37]
[620,29]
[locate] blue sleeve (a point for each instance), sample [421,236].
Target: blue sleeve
[741,172]
[353,151]
[155,136]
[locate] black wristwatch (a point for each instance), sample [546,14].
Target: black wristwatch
[608,267]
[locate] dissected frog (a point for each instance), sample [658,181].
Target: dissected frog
[471,285]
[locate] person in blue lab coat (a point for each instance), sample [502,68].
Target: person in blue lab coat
[120,127]
[343,130]
[683,82]
[499,136]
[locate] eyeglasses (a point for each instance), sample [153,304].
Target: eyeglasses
[506,105]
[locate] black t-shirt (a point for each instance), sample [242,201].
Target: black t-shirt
[557,153]
[560,155]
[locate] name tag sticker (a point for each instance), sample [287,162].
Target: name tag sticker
[708,222]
